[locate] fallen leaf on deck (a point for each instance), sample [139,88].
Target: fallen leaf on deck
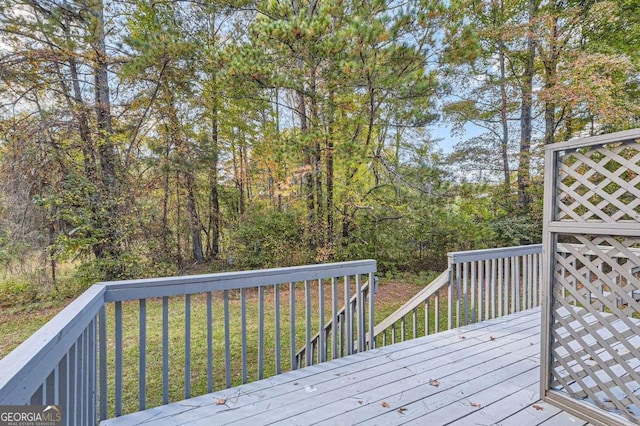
[492,338]
[384,404]
[401,410]
[475,404]
[434,382]
[360,402]
[295,384]
[221,401]
[537,407]
[336,374]
[461,337]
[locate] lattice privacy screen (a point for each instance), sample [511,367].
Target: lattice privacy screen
[592,238]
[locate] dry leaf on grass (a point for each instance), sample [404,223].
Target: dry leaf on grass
[221,401]
[537,407]
[475,404]
[384,404]
[401,410]
[434,382]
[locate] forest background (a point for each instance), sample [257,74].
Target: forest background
[145,138]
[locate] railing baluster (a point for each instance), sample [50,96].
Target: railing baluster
[334,329]
[342,334]
[482,289]
[243,333]
[276,319]
[260,332]
[307,300]
[292,325]
[373,284]
[458,291]
[474,310]
[494,287]
[393,334]
[227,341]
[93,383]
[56,384]
[465,292]
[348,316]
[63,385]
[142,355]
[360,310]
[78,382]
[85,376]
[534,280]
[102,330]
[72,384]
[209,343]
[118,363]
[426,317]
[403,329]
[518,281]
[452,277]
[437,313]
[508,287]
[187,346]
[487,289]
[525,282]
[165,350]
[322,345]
[500,286]
[415,322]
[530,279]
[514,285]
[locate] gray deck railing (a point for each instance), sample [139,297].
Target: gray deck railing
[88,360]
[478,285]
[318,346]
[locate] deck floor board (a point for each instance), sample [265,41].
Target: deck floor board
[487,373]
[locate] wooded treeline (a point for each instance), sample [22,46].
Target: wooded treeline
[140,137]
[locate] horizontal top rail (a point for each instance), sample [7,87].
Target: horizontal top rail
[22,370]
[192,284]
[495,253]
[617,137]
[441,281]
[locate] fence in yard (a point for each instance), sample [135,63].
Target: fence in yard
[114,343]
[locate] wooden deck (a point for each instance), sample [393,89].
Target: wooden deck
[482,374]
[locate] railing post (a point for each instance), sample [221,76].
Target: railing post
[450,295]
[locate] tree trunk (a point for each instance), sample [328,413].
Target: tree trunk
[109,247]
[504,145]
[194,219]
[524,159]
[214,218]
